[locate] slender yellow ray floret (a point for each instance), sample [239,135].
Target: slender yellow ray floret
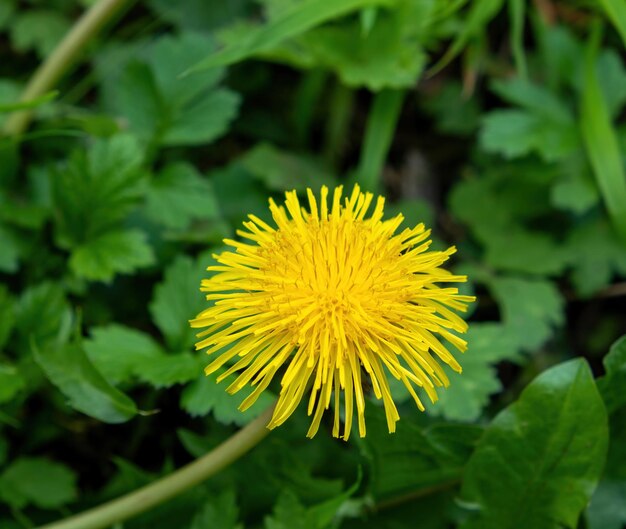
[337,299]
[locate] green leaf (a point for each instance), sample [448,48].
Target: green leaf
[205,395]
[9,257]
[120,352]
[39,314]
[289,513]
[390,56]
[480,13]
[38,29]
[166,370]
[280,170]
[601,141]
[607,509]
[596,254]
[96,189]
[31,103]
[575,189]
[616,11]
[534,98]
[412,458]
[454,112]
[178,195]
[220,512]
[613,383]
[469,392]
[177,299]
[531,309]
[163,109]
[294,20]
[7,315]
[525,251]
[204,121]
[540,459]
[515,133]
[71,371]
[114,252]
[37,481]
[11,382]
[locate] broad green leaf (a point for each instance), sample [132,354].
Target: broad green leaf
[292,21]
[163,109]
[530,309]
[381,127]
[38,29]
[468,393]
[534,98]
[10,254]
[608,505]
[205,395]
[613,383]
[616,11]
[11,382]
[220,512]
[575,189]
[114,252]
[37,481]
[178,195]
[7,315]
[412,458]
[607,509]
[204,121]
[40,311]
[289,513]
[96,189]
[167,370]
[596,254]
[515,133]
[601,141]
[71,371]
[390,56]
[525,251]
[177,299]
[281,171]
[540,459]
[120,352]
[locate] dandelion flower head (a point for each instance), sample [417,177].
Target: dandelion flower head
[332,300]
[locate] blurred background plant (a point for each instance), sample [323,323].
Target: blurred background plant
[500,124]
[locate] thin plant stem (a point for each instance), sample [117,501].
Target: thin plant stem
[170,486]
[63,58]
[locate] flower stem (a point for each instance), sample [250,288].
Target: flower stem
[166,488]
[63,58]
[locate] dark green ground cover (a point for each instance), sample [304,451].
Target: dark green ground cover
[500,124]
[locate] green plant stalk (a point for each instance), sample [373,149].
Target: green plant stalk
[63,58]
[379,132]
[170,486]
[341,109]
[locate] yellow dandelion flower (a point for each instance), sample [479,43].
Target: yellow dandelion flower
[336,298]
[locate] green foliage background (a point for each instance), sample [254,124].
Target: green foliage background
[499,123]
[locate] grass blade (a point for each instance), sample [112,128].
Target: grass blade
[616,11]
[601,141]
[381,126]
[291,22]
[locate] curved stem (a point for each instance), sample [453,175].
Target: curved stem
[63,58]
[166,488]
